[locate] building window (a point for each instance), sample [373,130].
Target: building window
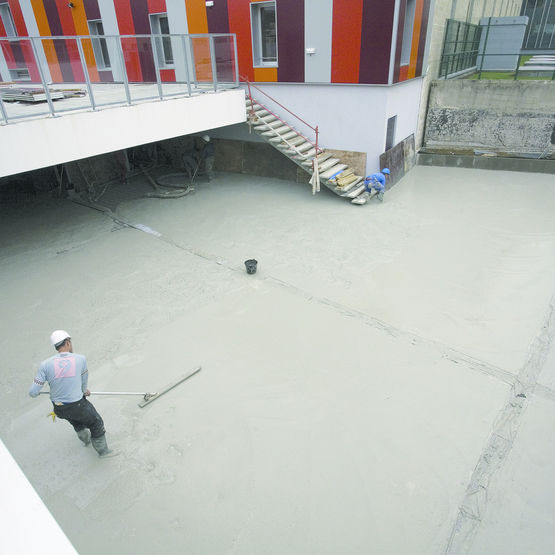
[407,32]
[100,48]
[160,26]
[264,35]
[7,20]
[390,136]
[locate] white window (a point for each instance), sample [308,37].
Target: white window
[407,32]
[100,48]
[160,26]
[264,33]
[7,20]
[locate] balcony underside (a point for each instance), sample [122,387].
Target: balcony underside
[44,141]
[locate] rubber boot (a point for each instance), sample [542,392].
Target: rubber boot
[84,436]
[101,447]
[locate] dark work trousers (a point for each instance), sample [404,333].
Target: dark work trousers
[81,415]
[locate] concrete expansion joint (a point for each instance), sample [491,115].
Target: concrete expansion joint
[502,438]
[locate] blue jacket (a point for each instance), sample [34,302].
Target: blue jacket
[375,181]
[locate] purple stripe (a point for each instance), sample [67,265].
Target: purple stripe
[92,10]
[63,59]
[141,23]
[375,44]
[17,53]
[106,76]
[399,45]
[146,59]
[290,28]
[218,20]
[422,39]
[53,18]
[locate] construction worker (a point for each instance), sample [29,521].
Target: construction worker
[373,184]
[191,163]
[67,375]
[207,154]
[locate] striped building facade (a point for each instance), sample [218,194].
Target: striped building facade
[354,41]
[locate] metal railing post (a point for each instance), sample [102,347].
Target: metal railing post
[517,67]
[42,79]
[235,60]
[3,110]
[213,62]
[124,71]
[187,59]
[193,62]
[156,66]
[85,72]
[484,50]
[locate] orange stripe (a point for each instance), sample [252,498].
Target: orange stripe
[47,45]
[346,39]
[81,28]
[240,24]
[197,21]
[265,74]
[415,38]
[403,73]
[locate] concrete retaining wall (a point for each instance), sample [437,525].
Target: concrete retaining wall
[508,118]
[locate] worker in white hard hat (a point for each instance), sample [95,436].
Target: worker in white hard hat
[374,185]
[207,155]
[67,375]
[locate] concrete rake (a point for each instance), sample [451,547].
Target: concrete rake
[147,397]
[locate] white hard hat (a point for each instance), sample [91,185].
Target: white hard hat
[58,336]
[206,137]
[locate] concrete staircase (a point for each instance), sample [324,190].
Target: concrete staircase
[322,166]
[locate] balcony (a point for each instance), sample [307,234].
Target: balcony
[74,97]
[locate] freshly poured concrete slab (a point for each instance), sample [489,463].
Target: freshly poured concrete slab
[520,516]
[349,388]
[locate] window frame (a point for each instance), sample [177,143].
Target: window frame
[161,40]
[7,20]
[101,54]
[256,33]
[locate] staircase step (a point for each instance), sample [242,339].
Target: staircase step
[287,136]
[333,171]
[328,164]
[354,192]
[258,113]
[322,157]
[347,180]
[276,131]
[348,186]
[301,148]
[272,124]
[296,141]
[266,119]
[309,154]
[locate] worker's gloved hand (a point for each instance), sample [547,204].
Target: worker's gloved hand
[87,393]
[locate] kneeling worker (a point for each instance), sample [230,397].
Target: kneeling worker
[67,375]
[373,184]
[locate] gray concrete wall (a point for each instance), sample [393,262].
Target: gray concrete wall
[514,118]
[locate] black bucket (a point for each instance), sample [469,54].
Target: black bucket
[251,266]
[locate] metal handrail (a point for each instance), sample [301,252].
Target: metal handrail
[315,129]
[185,48]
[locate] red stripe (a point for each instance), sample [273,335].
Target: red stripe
[240,23]
[125,17]
[129,45]
[346,39]
[157,6]
[18,19]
